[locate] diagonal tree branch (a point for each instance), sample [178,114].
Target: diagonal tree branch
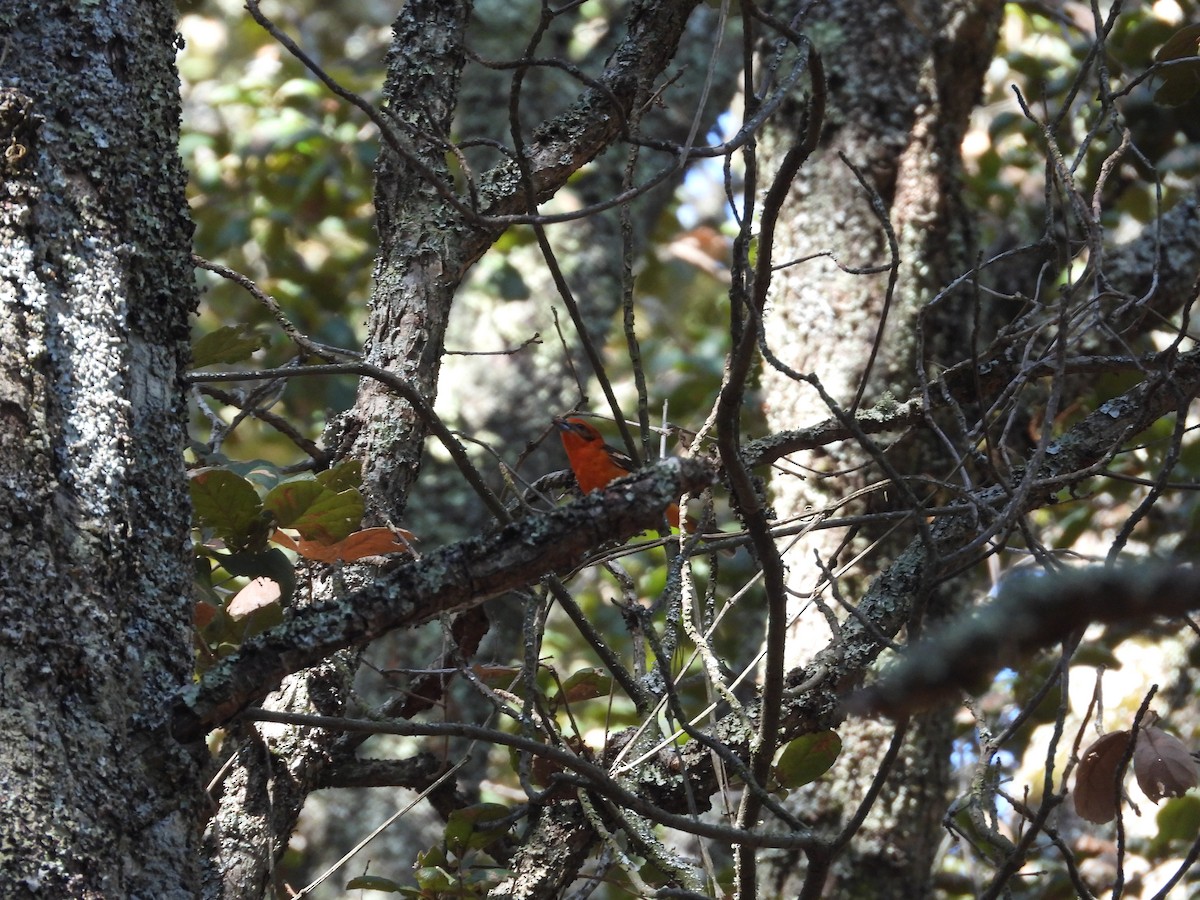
[560,146]
[453,578]
[1032,612]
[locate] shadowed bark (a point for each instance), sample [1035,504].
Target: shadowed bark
[95,291]
[902,81]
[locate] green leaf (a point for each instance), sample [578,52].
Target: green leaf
[1184,42]
[292,499]
[1178,823]
[434,856]
[466,829]
[228,504]
[586,684]
[374,883]
[1179,84]
[807,758]
[228,344]
[318,513]
[434,878]
[202,586]
[342,477]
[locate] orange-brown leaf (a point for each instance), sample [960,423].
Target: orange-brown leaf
[495,676]
[203,613]
[284,539]
[360,544]
[1096,792]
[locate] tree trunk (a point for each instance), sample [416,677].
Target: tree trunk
[95,289]
[902,79]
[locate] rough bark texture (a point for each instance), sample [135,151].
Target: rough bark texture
[902,79]
[96,799]
[418,266]
[269,781]
[426,246]
[897,109]
[414,282]
[839,669]
[549,860]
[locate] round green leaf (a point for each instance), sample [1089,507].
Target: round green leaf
[807,758]
[373,883]
[317,512]
[342,477]
[229,505]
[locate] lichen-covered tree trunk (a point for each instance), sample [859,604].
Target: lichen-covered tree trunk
[428,244]
[902,79]
[506,399]
[96,798]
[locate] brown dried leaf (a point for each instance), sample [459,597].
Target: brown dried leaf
[1163,765]
[1096,793]
[377,541]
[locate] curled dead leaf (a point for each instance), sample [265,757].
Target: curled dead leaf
[1096,791]
[1163,765]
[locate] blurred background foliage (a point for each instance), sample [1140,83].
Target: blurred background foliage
[281,191]
[281,185]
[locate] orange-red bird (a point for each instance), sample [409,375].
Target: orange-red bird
[595,463]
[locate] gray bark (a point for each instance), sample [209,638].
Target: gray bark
[427,246]
[95,290]
[98,800]
[902,79]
